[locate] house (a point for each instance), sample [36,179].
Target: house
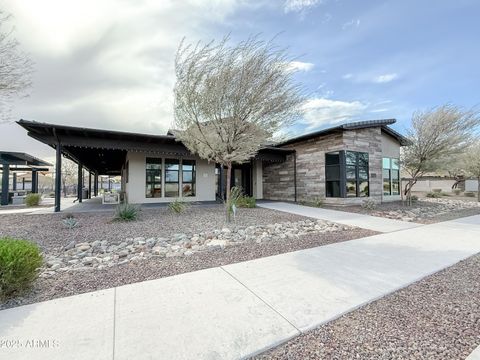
[343,164]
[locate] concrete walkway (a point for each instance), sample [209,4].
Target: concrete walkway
[475,355]
[237,310]
[374,223]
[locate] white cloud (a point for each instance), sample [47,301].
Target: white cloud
[347,76]
[385,78]
[351,23]
[109,63]
[300,66]
[300,5]
[322,111]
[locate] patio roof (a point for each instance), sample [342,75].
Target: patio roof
[18,158]
[104,151]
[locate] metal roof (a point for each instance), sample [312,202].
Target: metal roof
[19,158]
[105,151]
[383,123]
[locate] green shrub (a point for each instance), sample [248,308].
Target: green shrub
[19,263]
[414,198]
[432,194]
[438,191]
[126,212]
[33,199]
[469,194]
[457,191]
[177,206]
[70,222]
[246,202]
[317,202]
[236,193]
[369,204]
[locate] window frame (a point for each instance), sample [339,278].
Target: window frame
[193,182]
[153,161]
[344,168]
[171,161]
[393,167]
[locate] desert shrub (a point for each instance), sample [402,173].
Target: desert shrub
[457,192]
[19,263]
[369,204]
[32,199]
[414,198]
[246,202]
[469,194]
[70,222]
[235,194]
[177,206]
[317,202]
[126,212]
[438,191]
[432,194]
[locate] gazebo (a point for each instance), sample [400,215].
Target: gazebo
[16,161]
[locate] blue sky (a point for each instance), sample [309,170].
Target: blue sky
[109,64]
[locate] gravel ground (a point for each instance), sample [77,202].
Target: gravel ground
[436,318]
[65,284]
[49,232]
[383,210]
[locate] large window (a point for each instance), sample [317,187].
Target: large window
[172,168]
[188,177]
[154,178]
[346,174]
[391,176]
[332,174]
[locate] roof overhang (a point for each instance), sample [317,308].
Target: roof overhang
[383,124]
[19,158]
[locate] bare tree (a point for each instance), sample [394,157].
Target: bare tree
[15,66]
[69,175]
[472,163]
[230,100]
[434,135]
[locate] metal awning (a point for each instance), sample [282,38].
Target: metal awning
[18,158]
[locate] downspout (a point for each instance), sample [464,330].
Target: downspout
[295,174]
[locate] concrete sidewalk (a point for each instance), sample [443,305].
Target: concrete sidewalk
[238,310]
[374,223]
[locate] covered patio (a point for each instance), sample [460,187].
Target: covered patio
[110,153]
[14,162]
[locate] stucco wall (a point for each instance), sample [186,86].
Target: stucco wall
[135,187]
[390,147]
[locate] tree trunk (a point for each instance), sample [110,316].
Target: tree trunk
[227,190]
[478,189]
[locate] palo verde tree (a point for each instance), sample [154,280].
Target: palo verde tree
[434,135]
[15,67]
[231,99]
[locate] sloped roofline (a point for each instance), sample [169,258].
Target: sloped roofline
[383,123]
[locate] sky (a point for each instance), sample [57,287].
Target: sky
[110,64]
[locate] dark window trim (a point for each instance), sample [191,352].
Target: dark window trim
[172,161]
[343,173]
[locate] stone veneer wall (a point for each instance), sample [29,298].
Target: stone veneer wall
[278,183]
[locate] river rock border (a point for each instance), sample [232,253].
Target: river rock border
[103,254]
[442,206]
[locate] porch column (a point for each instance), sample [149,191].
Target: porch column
[23,183]
[34,181]
[80,183]
[109,184]
[58,176]
[95,184]
[89,184]
[5,183]
[14,182]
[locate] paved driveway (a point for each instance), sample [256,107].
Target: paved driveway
[237,310]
